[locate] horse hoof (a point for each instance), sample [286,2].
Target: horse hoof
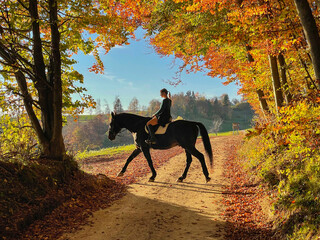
[208,179]
[151,180]
[120,174]
[179,180]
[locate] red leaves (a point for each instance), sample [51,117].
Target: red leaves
[243,209]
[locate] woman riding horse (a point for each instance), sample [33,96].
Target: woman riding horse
[162,116]
[179,133]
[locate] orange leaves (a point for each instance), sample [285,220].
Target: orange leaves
[213,35]
[96,68]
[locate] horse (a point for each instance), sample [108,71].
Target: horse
[179,133]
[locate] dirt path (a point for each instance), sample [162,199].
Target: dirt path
[166,209]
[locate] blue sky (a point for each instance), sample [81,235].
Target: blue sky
[136,70]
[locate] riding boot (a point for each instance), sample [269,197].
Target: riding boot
[152,138]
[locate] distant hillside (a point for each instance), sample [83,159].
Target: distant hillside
[88,132]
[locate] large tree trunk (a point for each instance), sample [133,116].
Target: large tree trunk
[283,72]
[44,87]
[276,81]
[57,148]
[311,31]
[49,89]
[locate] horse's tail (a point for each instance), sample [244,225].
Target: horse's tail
[206,141]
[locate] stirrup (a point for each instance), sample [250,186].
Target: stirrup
[151,141]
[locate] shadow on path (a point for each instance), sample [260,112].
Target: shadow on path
[192,187]
[141,218]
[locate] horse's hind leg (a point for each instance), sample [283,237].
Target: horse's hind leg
[189,160]
[201,158]
[146,152]
[135,153]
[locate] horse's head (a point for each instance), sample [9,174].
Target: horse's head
[114,127]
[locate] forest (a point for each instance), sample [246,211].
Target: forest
[270,48]
[88,132]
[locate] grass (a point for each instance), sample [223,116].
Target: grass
[106,151]
[221,134]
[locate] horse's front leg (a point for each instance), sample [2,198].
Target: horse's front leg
[189,160]
[146,152]
[135,153]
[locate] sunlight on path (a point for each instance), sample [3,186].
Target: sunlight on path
[166,209]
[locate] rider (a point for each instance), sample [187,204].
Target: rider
[162,116]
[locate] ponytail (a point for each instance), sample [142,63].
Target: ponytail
[163,90]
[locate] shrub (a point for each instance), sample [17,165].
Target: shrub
[285,154]
[17,139]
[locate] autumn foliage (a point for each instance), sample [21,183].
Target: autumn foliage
[271,48]
[38,39]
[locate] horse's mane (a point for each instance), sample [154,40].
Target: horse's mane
[131,116]
[131,121]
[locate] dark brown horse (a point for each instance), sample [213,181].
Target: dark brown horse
[180,132]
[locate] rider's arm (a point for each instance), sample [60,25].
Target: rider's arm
[162,109]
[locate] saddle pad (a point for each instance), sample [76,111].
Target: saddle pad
[160,130]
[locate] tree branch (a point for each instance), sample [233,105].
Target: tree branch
[39,66]
[27,99]
[23,5]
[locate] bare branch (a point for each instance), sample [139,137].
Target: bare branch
[23,5]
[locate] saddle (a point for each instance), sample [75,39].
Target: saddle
[159,129]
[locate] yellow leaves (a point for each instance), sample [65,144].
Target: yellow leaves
[193,8]
[17,136]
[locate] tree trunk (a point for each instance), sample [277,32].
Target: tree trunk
[276,81]
[57,147]
[262,100]
[283,72]
[44,88]
[49,89]
[260,93]
[311,31]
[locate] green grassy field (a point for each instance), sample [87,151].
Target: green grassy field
[221,134]
[106,151]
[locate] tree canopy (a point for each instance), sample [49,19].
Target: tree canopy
[260,44]
[269,47]
[37,41]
